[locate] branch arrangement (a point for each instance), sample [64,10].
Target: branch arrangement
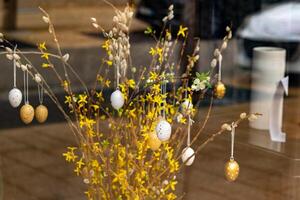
[135,147]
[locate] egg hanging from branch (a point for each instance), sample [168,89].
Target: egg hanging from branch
[188,156]
[27,113]
[232,170]
[41,113]
[15,97]
[153,141]
[220,90]
[117,99]
[163,130]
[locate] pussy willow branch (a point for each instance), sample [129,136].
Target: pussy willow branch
[179,152]
[205,121]
[52,32]
[57,74]
[50,93]
[207,141]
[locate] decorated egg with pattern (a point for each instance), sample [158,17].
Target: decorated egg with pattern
[232,170]
[41,113]
[117,99]
[15,97]
[163,130]
[27,113]
[188,156]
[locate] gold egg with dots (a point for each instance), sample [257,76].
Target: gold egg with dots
[26,113]
[232,170]
[153,141]
[41,113]
[220,90]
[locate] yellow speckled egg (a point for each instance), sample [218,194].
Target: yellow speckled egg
[27,113]
[153,141]
[232,170]
[41,113]
[220,90]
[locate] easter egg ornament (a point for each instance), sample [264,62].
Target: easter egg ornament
[15,95]
[41,112]
[188,154]
[26,111]
[220,89]
[163,130]
[153,141]
[232,168]
[117,99]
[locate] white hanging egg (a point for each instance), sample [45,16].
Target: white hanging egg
[27,113]
[117,99]
[188,156]
[163,130]
[15,97]
[41,113]
[187,106]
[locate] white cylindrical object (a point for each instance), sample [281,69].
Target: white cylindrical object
[268,69]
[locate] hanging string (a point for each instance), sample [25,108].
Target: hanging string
[185,93]
[118,74]
[15,71]
[25,79]
[189,131]
[24,83]
[232,139]
[162,104]
[220,67]
[41,92]
[27,85]
[164,85]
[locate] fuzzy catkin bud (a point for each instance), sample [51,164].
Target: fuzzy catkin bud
[252,117]
[95,25]
[16,56]
[226,127]
[216,52]
[213,63]
[9,50]
[243,115]
[46,19]
[23,68]
[93,19]
[224,45]
[37,78]
[9,56]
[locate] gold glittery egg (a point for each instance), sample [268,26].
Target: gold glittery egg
[232,170]
[220,90]
[153,141]
[41,113]
[27,113]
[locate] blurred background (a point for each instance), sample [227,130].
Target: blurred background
[31,162]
